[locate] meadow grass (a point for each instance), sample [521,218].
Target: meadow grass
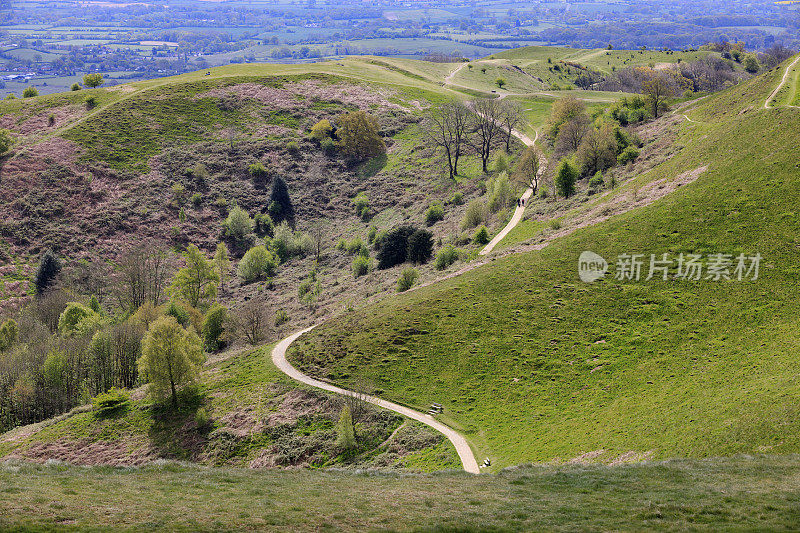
[740,493]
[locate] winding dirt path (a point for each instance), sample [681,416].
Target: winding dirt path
[520,210]
[772,96]
[460,443]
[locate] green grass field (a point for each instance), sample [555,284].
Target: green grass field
[534,365]
[741,493]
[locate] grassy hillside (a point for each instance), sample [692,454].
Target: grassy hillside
[534,365]
[750,493]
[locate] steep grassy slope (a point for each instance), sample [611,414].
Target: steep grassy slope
[742,493]
[534,365]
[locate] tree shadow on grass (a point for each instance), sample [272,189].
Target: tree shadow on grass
[175,433]
[372,166]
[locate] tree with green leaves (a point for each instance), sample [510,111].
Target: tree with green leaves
[171,357]
[346,435]
[48,271]
[93,80]
[30,92]
[8,334]
[566,176]
[197,281]
[359,137]
[280,204]
[214,328]
[222,263]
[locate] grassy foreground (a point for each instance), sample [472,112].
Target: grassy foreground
[740,493]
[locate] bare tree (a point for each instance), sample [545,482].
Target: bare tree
[529,170]
[488,125]
[252,321]
[319,234]
[142,275]
[571,134]
[511,118]
[446,128]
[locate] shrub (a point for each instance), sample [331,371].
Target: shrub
[627,155]
[110,401]
[361,203]
[75,87]
[309,289]
[30,92]
[49,268]
[543,192]
[239,225]
[5,141]
[456,199]
[352,247]
[93,80]
[555,224]
[361,265]
[481,236]
[293,148]
[281,317]
[500,193]
[751,64]
[286,244]
[394,247]
[202,418]
[434,214]
[322,130]
[304,244]
[179,193]
[596,181]
[69,322]
[420,247]
[501,164]
[565,179]
[196,199]
[51,120]
[263,225]
[446,257]
[257,263]
[372,232]
[214,328]
[8,334]
[91,102]
[474,215]
[407,279]
[328,147]
[258,172]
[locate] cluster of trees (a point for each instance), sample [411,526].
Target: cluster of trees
[91,327]
[587,146]
[482,125]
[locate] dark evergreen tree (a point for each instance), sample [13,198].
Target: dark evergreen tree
[394,247]
[420,246]
[49,268]
[280,205]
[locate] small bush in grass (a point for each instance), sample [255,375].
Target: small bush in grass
[501,164]
[110,401]
[30,92]
[474,215]
[351,247]
[434,214]
[597,181]
[8,334]
[196,199]
[361,265]
[543,192]
[328,147]
[91,102]
[201,418]
[322,130]
[361,203]
[51,120]
[393,248]
[258,172]
[293,148]
[446,257]
[554,224]
[239,226]
[263,225]
[309,290]
[372,232]
[627,155]
[456,199]
[5,141]
[281,317]
[75,87]
[481,236]
[407,279]
[566,176]
[257,263]
[182,215]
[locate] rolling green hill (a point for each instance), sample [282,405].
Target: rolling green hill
[534,365]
